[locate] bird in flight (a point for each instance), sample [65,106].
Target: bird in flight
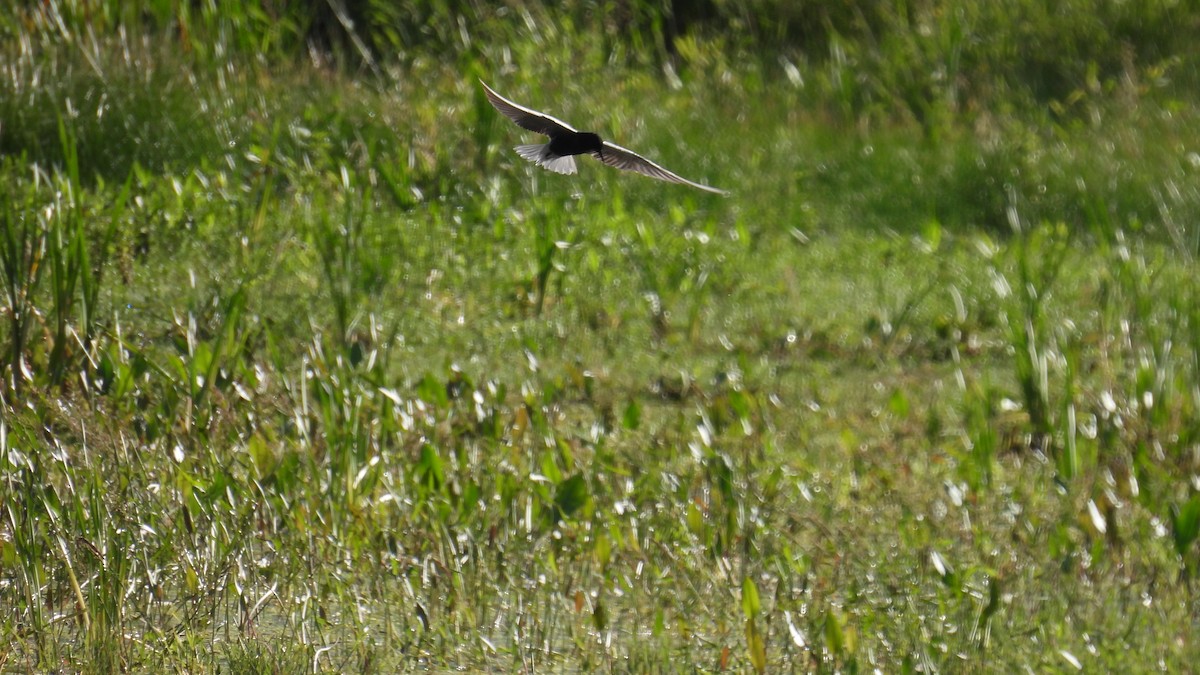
[565,142]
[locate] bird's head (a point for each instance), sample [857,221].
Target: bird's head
[592,143]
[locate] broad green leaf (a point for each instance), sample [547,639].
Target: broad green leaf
[1186,522]
[632,418]
[429,468]
[570,495]
[756,646]
[835,640]
[751,605]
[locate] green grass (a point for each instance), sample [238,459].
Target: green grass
[304,369]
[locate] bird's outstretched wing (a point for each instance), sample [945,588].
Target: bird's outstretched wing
[628,160]
[525,117]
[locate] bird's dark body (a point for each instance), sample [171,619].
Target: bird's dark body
[576,143]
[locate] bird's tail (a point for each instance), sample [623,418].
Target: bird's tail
[541,155]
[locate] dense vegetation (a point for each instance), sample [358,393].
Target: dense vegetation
[304,369]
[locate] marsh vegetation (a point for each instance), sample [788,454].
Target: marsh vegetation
[304,369]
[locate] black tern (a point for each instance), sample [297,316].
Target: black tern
[566,142]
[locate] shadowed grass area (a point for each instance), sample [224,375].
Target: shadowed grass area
[304,369]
